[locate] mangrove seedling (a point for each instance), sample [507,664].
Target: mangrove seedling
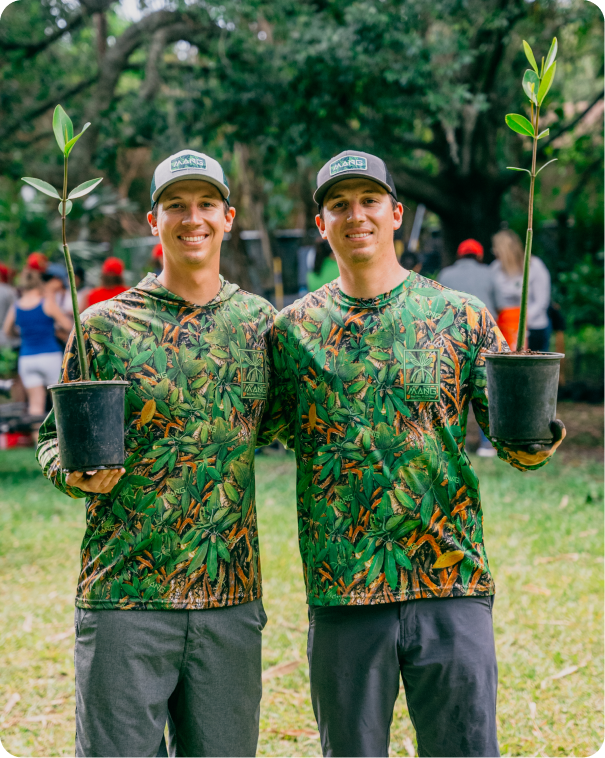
[64,134]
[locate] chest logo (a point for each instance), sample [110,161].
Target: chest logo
[253,368]
[422,371]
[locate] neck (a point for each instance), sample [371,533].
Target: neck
[371,278]
[197,285]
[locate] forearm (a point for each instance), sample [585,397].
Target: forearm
[47,455]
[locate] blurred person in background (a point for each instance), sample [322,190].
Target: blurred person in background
[325,268]
[35,315]
[83,292]
[507,271]
[157,259]
[8,296]
[37,262]
[55,282]
[469,274]
[112,282]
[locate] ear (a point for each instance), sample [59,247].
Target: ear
[397,216]
[321,226]
[153,223]
[229,216]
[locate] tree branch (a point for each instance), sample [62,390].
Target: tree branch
[31,49]
[572,123]
[37,109]
[423,189]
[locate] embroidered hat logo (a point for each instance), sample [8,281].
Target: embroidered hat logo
[348,163]
[187,161]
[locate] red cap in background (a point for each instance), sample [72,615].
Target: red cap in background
[37,261]
[157,253]
[5,273]
[470,247]
[113,266]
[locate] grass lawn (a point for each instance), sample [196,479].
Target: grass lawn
[544,537]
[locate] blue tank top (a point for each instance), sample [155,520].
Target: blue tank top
[37,331]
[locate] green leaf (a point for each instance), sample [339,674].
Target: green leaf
[514,168]
[545,165]
[543,134]
[375,567]
[445,321]
[199,557]
[100,323]
[62,127]
[231,492]
[405,499]
[547,80]
[552,54]
[402,558]
[84,188]
[426,508]
[68,206]
[45,187]
[212,562]
[418,481]
[519,124]
[390,570]
[531,83]
[72,142]
[530,56]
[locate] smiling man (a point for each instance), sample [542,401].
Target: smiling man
[374,373]
[168,610]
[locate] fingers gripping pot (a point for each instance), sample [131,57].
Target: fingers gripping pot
[90,424]
[522,393]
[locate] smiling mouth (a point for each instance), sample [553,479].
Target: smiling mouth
[191,238]
[358,235]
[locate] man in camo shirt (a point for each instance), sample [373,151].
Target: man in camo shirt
[168,607]
[374,374]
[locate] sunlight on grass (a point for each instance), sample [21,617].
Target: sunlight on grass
[544,540]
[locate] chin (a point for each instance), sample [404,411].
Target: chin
[361,256]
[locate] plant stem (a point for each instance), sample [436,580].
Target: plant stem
[84,374]
[528,239]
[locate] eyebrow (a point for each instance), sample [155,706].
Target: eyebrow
[179,197]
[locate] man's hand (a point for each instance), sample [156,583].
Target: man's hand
[100,482]
[536,453]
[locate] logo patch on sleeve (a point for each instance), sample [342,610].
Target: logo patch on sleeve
[348,163]
[253,370]
[187,161]
[422,371]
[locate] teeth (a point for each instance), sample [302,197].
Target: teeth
[194,239]
[359,236]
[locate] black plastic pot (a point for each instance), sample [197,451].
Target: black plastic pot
[90,424]
[522,392]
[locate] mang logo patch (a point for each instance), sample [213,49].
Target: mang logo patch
[187,161]
[422,372]
[348,163]
[253,374]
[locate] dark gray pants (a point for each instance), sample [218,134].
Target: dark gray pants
[136,668]
[444,649]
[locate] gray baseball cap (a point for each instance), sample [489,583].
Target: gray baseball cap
[188,164]
[352,164]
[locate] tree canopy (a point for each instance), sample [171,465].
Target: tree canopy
[274,89]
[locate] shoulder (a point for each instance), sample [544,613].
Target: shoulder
[297,311]
[460,301]
[253,305]
[107,313]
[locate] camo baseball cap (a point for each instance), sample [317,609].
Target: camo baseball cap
[352,164]
[188,164]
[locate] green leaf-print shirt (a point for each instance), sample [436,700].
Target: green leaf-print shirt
[179,530]
[373,396]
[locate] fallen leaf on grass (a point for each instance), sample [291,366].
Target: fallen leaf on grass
[564,672]
[587,533]
[409,747]
[553,558]
[11,703]
[533,710]
[28,623]
[61,635]
[281,669]
[564,502]
[536,590]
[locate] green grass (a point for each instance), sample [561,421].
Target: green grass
[548,614]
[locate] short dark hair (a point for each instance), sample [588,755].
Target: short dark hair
[154,208]
[320,208]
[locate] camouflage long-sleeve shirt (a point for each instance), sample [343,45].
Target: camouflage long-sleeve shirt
[179,530]
[373,396]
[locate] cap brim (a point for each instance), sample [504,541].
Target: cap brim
[320,192]
[222,188]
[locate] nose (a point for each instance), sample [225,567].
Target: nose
[193,216]
[356,211]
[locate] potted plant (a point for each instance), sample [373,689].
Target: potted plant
[522,385]
[89,414]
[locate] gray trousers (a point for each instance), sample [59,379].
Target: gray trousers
[135,669]
[444,651]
